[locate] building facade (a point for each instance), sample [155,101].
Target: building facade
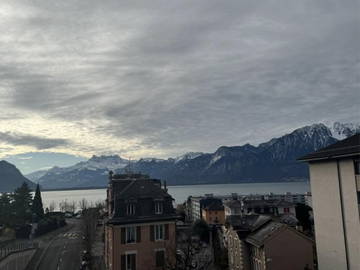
[335,188]
[214,214]
[140,233]
[255,242]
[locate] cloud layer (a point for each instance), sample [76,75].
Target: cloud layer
[165,77]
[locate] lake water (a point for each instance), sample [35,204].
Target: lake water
[179,193]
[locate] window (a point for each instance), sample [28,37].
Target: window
[130,209]
[130,235]
[130,262]
[357,166]
[286,210]
[158,207]
[160,258]
[159,232]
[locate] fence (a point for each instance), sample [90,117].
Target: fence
[14,247]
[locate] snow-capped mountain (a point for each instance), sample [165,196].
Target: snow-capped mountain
[187,156]
[343,130]
[92,172]
[274,160]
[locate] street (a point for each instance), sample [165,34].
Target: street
[64,251]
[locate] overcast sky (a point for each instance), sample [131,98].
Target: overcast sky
[160,78]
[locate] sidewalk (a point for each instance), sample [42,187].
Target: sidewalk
[97,251]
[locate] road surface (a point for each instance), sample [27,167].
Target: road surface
[64,251]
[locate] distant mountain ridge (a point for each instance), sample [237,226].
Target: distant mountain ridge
[11,178]
[274,160]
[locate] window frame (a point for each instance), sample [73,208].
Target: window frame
[127,233]
[159,232]
[159,207]
[128,261]
[130,209]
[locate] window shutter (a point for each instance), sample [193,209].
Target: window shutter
[123,235]
[166,231]
[152,233]
[138,234]
[160,258]
[123,262]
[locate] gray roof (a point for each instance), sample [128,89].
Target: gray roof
[345,148]
[233,203]
[258,237]
[247,222]
[215,206]
[268,203]
[142,188]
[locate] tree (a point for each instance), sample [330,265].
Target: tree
[5,209]
[201,229]
[37,205]
[303,216]
[22,200]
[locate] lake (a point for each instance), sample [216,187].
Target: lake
[179,193]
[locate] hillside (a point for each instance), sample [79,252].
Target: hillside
[11,178]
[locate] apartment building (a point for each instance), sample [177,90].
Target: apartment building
[214,214]
[195,205]
[335,188]
[140,230]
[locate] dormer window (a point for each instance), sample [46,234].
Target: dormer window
[159,207]
[130,209]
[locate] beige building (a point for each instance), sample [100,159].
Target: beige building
[335,187]
[140,233]
[214,213]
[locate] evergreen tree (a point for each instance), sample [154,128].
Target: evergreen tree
[37,205]
[22,200]
[5,209]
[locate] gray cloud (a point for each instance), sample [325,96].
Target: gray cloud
[38,142]
[188,75]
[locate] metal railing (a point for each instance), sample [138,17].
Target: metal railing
[7,249]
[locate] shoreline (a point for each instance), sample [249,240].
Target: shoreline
[194,184]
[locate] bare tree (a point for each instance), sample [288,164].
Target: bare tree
[83,204]
[52,206]
[189,253]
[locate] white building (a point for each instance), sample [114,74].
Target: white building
[335,187]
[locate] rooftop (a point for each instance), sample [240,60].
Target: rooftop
[247,222]
[345,148]
[215,206]
[260,236]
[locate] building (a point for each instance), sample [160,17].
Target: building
[255,242]
[140,230]
[276,246]
[335,188]
[214,213]
[195,205]
[233,208]
[274,208]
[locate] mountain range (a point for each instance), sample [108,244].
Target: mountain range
[11,178]
[274,160]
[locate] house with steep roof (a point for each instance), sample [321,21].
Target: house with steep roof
[140,230]
[257,242]
[335,188]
